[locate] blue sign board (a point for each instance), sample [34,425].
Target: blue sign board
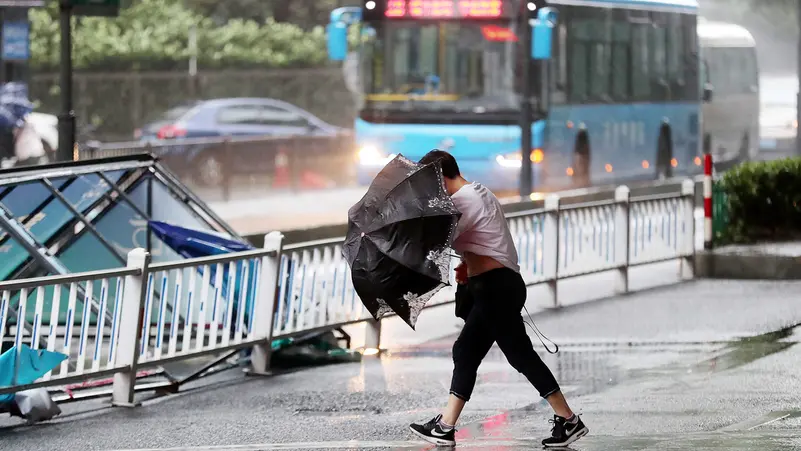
[16,41]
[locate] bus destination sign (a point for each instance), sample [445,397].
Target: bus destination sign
[447,9]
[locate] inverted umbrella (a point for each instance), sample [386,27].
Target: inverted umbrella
[399,239]
[23,365]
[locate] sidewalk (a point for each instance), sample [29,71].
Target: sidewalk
[648,355]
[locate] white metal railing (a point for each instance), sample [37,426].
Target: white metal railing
[181,310]
[554,243]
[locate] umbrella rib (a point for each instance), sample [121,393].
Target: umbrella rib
[384,198]
[392,258]
[408,176]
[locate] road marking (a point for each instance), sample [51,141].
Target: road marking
[753,423]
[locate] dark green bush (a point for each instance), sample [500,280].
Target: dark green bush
[764,201]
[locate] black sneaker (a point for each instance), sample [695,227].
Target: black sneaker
[564,433]
[433,433]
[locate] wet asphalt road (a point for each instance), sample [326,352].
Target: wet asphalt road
[664,368]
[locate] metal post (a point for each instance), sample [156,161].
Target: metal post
[372,335]
[709,232]
[798,94]
[622,223]
[550,246]
[264,305]
[66,120]
[130,329]
[687,269]
[526,175]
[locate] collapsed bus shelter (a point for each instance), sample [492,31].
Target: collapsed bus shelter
[86,216]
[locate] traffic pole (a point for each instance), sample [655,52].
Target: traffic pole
[708,201]
[66,119]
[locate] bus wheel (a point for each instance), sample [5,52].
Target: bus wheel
[664,155]
[581,161]
[745,148]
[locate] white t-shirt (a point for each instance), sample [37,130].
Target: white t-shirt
[483,229]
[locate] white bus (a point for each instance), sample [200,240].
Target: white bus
[730,114]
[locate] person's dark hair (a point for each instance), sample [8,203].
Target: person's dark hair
[449,167]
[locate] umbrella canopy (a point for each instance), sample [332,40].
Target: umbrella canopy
[399,239]
[23,365]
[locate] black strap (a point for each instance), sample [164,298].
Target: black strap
[539,334]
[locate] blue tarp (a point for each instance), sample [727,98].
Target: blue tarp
[190,243]
[32,365]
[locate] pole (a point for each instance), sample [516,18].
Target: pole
[798,94]
[66,120]
[708,231]
[526,175]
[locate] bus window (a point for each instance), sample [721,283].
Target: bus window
[578,38]
[641,74]
[675,57]
[600,49]
[659,75]
[621,62]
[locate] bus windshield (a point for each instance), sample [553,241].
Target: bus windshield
[455,67]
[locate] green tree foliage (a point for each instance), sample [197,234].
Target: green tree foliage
[304,13]
[154,35]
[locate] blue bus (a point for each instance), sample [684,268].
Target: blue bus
[617,91]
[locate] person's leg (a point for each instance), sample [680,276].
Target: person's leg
[513,339]
[475,340]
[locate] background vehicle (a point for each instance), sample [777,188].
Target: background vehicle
[206,162]
[778,125]
[732,113]
[616,87]
[234,116]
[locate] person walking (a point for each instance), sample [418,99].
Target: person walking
[491,273]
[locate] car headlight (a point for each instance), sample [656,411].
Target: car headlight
[515,159]
[371,156]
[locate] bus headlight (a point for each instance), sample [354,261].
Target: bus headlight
[515,159]
[371,156]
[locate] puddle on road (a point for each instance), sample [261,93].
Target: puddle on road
[748,350]
[591,369]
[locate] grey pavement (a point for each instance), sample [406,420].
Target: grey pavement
[663,368]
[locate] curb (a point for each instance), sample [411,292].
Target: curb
[748,266]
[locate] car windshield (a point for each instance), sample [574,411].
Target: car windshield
[446,66]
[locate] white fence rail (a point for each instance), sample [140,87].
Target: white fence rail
[181,310]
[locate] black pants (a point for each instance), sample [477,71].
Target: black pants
[498,298]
